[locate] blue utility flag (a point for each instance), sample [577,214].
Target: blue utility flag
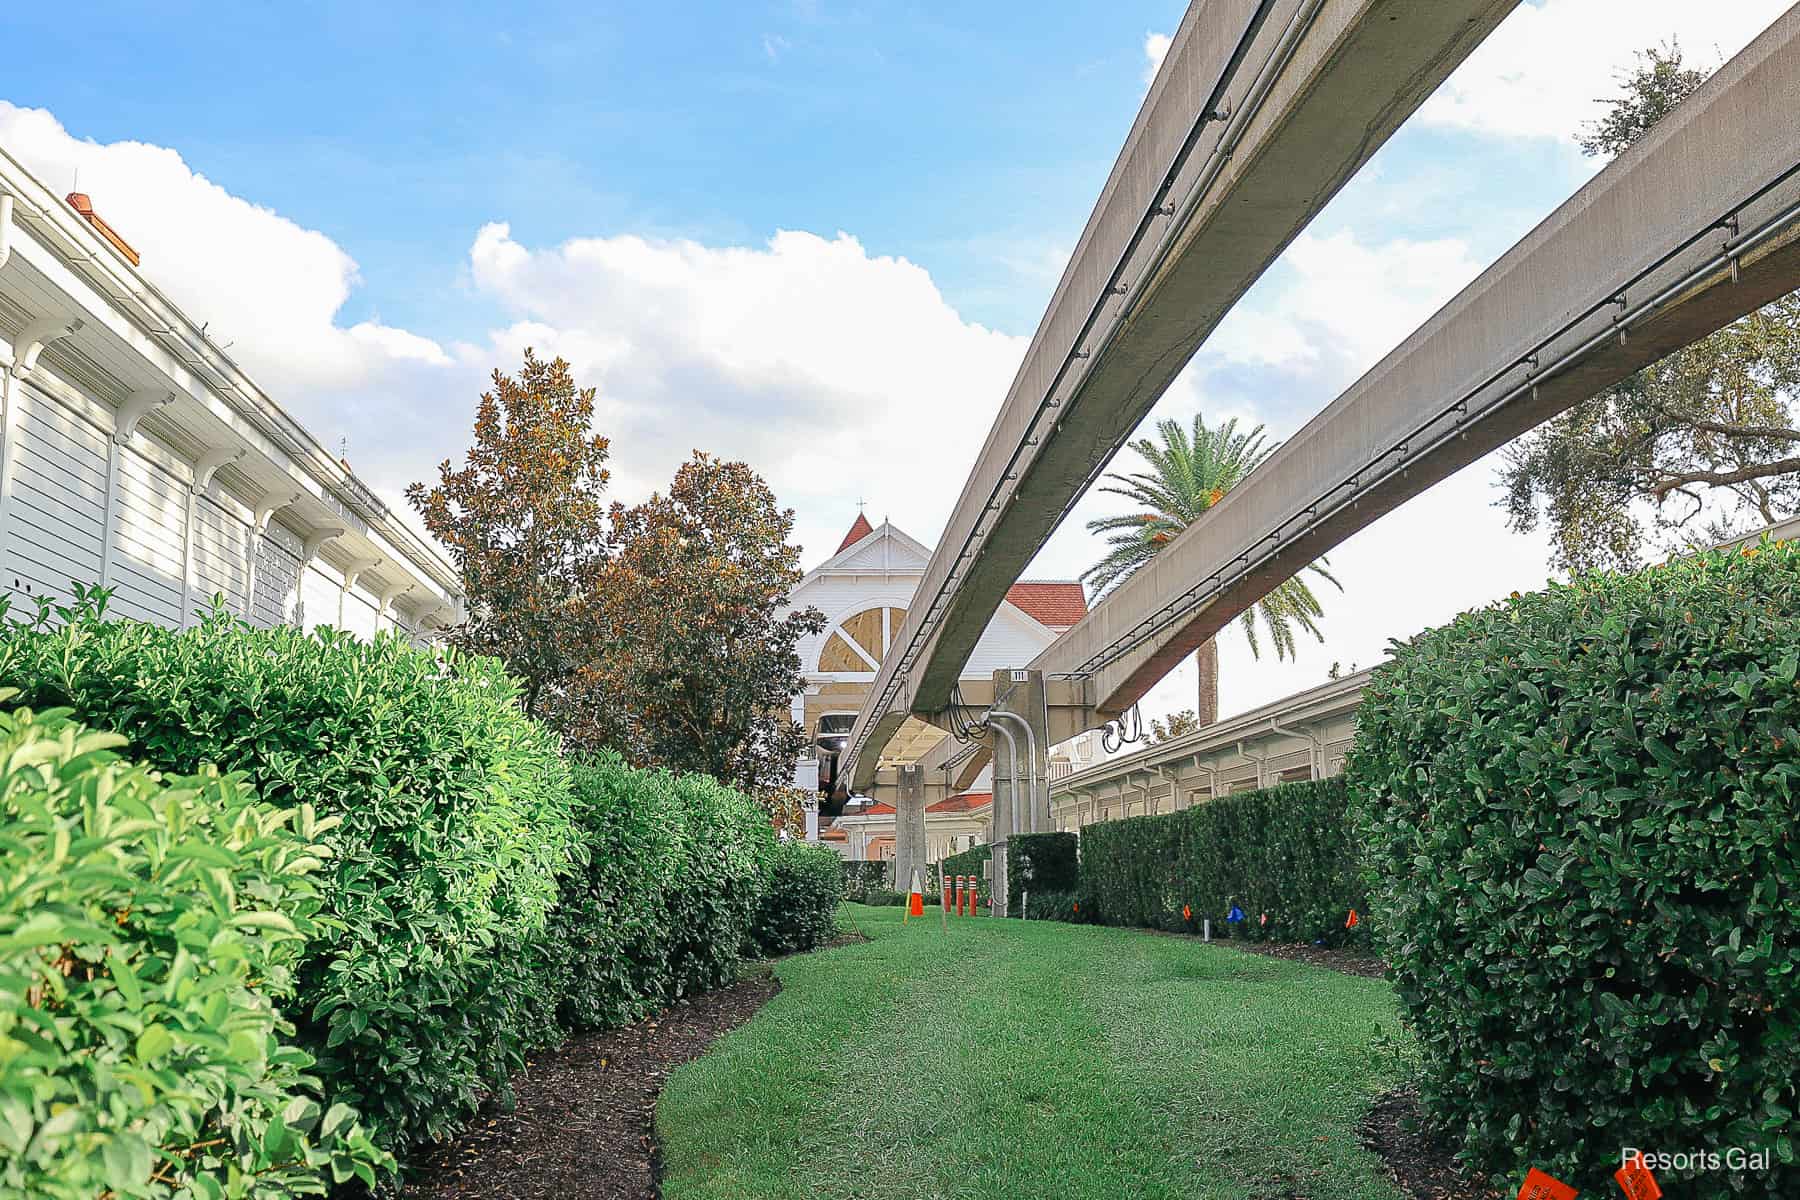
[1235,915]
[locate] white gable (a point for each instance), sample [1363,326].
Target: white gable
[887,551]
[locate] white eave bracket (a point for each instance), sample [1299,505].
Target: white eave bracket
[24,351]
[137,406]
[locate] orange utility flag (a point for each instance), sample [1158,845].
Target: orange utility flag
[1352,921]
[1187,914]
[1636,1179]
[1539,1186]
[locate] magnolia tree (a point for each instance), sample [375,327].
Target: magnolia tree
[654,629]
[522,519]
[700,662]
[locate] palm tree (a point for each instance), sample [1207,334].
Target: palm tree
[1187,475]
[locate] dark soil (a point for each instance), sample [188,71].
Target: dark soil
[1350,962]
[1424,1168]
[582,1125]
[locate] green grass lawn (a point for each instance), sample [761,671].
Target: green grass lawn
[1037,1060]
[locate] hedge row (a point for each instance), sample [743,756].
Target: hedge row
[675,868]
[862,877]
[1284,853]
[1040,863]
[1580,811]
[480,899]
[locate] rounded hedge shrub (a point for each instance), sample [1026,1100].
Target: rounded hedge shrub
[456,826]
[148,927]
[1284,851]
[798,911]
[675,868]
[1579,810]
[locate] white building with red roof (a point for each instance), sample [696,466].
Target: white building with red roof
[864,590]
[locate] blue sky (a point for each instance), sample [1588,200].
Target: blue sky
[399,129]
[812,234]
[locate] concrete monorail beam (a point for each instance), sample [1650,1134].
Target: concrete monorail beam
[1261,111]
[1693,227]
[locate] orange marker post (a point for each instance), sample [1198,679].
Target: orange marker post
[946,882]
[1539,1186]
[1637,1181]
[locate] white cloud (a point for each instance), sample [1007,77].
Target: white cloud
[833,371]
[774,46]
[837,372]
[1541,72]
[263,284]
[1156,48]
[1338,303]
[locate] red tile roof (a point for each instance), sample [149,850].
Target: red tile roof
[874,810]
[962,802]
[1057,604]
[858,531]
[833,835]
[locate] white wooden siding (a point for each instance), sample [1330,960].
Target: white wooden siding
[54,527]
[221,543]
[150,510]
[318,596]
[277,576]
[359,613]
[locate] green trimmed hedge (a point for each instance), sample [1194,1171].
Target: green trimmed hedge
[971,863]
[1057,905]
[862,877]
[1580,811]
[674,871]
[421,994]
[481,899]
[798,910]
[148,929]
[1041,862]
[1283,851]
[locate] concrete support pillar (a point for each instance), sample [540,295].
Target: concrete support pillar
[909,827]
[1020,721]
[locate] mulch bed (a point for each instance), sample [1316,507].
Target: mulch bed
[1349,962]
[583,1124]
[1424,1168]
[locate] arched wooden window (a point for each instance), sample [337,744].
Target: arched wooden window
[859,642]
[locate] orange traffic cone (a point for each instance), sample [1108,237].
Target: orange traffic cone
[915,902]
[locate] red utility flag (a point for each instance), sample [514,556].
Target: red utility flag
[1539,1186]
[1187,914]
[1352,921]
[1636,1179]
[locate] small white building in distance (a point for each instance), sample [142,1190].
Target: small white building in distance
[136,455]
[864,590]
